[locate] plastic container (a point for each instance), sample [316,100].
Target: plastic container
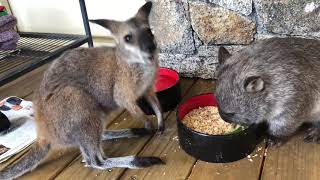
[213,148]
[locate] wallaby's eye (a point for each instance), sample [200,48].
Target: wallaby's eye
[128,38]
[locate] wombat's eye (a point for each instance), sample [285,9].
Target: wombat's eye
[128,38]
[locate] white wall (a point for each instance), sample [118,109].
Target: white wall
[63,16]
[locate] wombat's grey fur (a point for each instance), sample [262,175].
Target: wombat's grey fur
[275,81]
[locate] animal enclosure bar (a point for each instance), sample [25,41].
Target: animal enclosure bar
[35,49]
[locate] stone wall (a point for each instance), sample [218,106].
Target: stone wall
[189,32]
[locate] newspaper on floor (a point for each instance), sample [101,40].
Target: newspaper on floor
[22,131]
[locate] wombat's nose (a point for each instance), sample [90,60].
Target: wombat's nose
[226,116]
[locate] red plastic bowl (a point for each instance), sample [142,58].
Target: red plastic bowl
[167,87]
[166,78]
[196,102]
[213,148]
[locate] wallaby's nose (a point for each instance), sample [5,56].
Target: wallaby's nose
[146,42]
[151,48]
[148,46]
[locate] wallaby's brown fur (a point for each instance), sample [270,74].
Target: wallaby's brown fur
[83,83]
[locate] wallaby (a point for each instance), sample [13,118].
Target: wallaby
[274,82]
[86,83]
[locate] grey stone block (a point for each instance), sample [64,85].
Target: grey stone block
[216,25]
[240,6]
[292,17]
[171,26]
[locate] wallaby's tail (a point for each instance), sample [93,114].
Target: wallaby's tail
[30,161]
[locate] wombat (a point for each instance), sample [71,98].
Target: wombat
[274,81]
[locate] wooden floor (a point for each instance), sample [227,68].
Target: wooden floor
[293,161]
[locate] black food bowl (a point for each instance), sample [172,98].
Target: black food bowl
[213,148]
[167,87]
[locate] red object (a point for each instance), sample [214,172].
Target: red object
[166,78]
[2,8]
[196,102]
[16,107]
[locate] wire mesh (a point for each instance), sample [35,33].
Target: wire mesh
[33,50]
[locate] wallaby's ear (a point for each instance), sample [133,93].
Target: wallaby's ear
[144,11]
[223,54]
[109,24]
[254,84]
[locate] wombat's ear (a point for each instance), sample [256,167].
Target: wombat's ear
[112,25]
[223,54]
[144,11]
[254,84]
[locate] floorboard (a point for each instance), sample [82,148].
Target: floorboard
[24,85]
[295,160]
[242,169]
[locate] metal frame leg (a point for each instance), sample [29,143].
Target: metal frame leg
[86,22]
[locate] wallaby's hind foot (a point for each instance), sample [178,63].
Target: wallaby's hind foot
[93,157]
[132,162]
[126,133]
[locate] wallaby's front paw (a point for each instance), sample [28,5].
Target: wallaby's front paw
[313,135]
[161,129]
[149,126]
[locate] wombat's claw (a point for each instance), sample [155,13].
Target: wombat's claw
[85,163]
[275,142]
[313,135]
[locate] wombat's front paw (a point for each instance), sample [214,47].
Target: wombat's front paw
[276,142]
[313,135]
[86,164]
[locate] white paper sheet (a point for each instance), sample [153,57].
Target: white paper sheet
[22,131]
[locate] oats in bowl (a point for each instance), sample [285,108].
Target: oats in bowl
[207,120]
